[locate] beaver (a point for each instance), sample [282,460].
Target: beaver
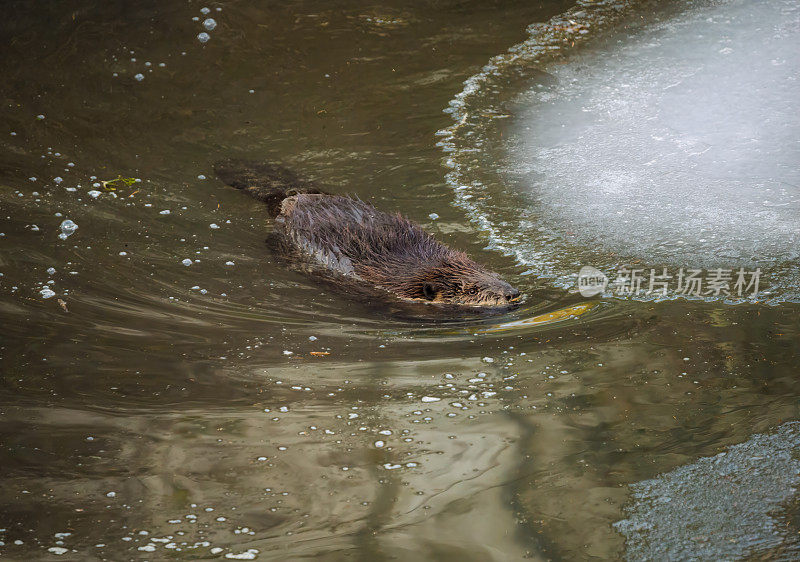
[346,236]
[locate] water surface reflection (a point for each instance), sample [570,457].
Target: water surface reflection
[151,409]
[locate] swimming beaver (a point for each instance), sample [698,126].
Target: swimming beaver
[347,236]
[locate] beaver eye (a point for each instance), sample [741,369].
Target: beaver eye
[472,291]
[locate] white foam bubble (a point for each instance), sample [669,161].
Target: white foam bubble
[678,146]
[67,229]
[670,145]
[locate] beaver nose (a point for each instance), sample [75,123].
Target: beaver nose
[512,295]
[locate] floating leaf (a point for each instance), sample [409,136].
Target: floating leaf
[111,185]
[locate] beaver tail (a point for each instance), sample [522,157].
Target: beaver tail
[267,182]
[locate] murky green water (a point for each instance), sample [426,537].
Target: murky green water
[154,410]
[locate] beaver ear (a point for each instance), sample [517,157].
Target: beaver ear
[428,291]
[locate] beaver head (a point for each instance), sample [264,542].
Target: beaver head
[456,280]
[460,281]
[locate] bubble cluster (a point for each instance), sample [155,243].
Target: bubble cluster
[208,24]
[68,228]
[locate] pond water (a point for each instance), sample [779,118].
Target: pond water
[170,390]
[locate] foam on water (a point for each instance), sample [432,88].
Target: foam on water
[674,145]
[722,507]
[681,145]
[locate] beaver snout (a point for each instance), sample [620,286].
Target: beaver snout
[512,295]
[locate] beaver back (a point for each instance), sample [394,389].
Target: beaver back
[350,236]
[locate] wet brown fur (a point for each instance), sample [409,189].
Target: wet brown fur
[352,238]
